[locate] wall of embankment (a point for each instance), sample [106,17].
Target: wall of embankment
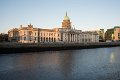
[6,48]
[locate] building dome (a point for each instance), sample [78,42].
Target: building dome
[66,22]
[66,17]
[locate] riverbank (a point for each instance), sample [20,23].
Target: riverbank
[37,47]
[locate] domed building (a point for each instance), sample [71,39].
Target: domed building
[66,34]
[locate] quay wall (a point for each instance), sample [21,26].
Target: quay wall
[12,47]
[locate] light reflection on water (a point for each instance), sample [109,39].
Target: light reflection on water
[86,64]
[112,57]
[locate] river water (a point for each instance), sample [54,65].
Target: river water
[84,64]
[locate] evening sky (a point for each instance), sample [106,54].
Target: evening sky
[84,14]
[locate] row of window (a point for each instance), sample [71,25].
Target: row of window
[53,34]
[48,34]
[30,33]
[43,39]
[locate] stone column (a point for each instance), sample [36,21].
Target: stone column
[73,37]
[70,37]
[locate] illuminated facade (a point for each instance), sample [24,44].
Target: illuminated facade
[116,35]
[113,34]
[24,34]
[66,34]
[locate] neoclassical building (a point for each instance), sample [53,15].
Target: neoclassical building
[65,34]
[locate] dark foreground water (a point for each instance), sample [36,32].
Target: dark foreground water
[86,64]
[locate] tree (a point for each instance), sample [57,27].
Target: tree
[0,37]
[3,37]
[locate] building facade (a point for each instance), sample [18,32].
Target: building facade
[109,33]
[113,34]
[13,35]
[66,34]
[116,35]
[101,35]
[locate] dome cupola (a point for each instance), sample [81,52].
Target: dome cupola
[66,22]
[66,17]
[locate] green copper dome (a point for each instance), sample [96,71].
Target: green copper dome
[66,17]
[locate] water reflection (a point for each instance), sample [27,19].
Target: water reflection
[86,64]
[66,64]
[112,57]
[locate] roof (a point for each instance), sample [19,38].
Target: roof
[66,17]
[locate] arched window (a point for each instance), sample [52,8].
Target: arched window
[44,39]
[52,39]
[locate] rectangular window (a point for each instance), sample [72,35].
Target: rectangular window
[118,35]
[41,39]
[35,38]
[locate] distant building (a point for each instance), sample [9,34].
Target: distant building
[101,35]
[116,35]
[109,33]
[113,34]
[66,34]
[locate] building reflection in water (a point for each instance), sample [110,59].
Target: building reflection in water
[67,64]
[35,61]
[26,61]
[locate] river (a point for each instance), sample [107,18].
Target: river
[84,64]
